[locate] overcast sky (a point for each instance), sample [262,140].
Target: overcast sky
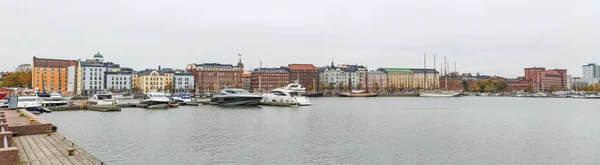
[498,37]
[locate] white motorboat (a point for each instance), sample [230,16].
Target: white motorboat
[103,98]
[183,98]
[123,96]
[235,97]
[154,98]
[28,100]
[439,94]
[53,99]
[291,94]
[4,103]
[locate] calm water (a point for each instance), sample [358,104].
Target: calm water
[467,130]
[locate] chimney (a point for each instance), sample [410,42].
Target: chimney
[159,67]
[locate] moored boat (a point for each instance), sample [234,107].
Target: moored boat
[357,93]
[235,97]
[291,94]
[154,98]
[52,99]
[28,100]
[439,94]
[103,99]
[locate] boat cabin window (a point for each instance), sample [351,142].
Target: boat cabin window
[102,97]
[293,86]
[26,99]
[230,91]
[278,93]
[294,93]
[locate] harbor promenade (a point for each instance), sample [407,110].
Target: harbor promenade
[29,139]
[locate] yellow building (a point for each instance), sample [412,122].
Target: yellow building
[154,80]
[406,78]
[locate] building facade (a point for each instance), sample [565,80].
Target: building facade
[247,81]
[519,85]
[343,76]
[267,79]
[52,75]
[91,77]
[374,80]
[544,80]
[305,74]
[119,81]
[184,82]
[591,73]
[212,77]
[408,78]
[152,80]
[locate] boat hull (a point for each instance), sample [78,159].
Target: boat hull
[427,94]
[358,95]
[316,94]
[235,101]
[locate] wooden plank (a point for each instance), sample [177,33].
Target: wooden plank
[19,145]
[36,149]
[64,160]
[28,151]
[25,163]
[45,150]
[60,148]
[78,151]
[45,162]
[36,163]
[84,160]
[55,161]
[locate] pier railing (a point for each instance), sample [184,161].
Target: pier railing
[9,154]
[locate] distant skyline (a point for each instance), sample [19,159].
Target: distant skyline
[492,37]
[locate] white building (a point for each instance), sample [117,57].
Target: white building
[343,75]
[118,81]
[184,82]
[591,73]
[90,75]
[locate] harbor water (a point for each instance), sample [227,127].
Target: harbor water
[391,130]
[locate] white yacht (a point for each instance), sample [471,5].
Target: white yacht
[291,94]
[28,99]
[235,97]
[103,98]
[184,98]
[53,99]
[154,98]
[439,94]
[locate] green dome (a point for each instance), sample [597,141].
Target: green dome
[98,55]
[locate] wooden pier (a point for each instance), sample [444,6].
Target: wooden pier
[33,140]
[52,149]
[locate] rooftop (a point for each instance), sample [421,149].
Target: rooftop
[272,70]
[395,70]
[424,70]
[302,67]
[46,62]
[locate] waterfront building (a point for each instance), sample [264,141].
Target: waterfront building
[212,77]
[345,76]
[267,79]
[519,84]
[120,81]
[184,82]
[91,77]
[454,83]
[152,80]
[247,81]
[578,82]
[54,75]
[409,78]
[591,73]
[547,79]
[305,74]
[376,79]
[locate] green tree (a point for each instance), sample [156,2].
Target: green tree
[500,85]
[341,87]
[330,86]
[465,85]
[359,86]
[17,79]
[309,87]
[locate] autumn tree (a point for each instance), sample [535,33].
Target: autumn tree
[17,79]
[309,87]
[529,89]
[168,87]
[341,87]
[330,86]
[465,85]
[377,87]
[321,86]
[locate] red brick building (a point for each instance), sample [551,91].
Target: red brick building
[212,77]
[306,74]
[518,85]
[266,79]
[547,79]
[453,83]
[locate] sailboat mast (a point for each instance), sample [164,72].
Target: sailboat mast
[367,81]
[446,70]
[434,74]
[424,71]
